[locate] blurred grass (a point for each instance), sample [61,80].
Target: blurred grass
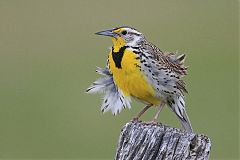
[48,54]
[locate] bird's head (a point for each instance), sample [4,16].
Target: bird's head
[124,35]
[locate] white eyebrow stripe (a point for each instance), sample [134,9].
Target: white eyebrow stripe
[134,33]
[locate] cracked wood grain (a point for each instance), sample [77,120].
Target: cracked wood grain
[141,141]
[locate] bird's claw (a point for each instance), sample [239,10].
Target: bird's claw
[135,119]
[153,122]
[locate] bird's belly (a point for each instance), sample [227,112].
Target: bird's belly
[131,80]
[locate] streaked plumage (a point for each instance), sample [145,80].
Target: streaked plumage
[138,69]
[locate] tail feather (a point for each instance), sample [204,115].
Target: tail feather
[177,105]
[186,122]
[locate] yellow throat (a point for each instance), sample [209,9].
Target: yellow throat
[127,75]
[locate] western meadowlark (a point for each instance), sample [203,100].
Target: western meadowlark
[138,69]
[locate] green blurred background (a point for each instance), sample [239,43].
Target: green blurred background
[48,56]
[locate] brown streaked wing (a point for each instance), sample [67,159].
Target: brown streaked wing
[167,59]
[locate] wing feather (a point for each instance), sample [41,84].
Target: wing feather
[165,68]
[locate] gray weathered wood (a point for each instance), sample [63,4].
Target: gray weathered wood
[141,141]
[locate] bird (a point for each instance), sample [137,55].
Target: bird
[137,69]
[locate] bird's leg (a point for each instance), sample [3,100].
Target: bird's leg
[159,109]
[141,112]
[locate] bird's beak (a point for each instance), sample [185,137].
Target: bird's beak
[108,32]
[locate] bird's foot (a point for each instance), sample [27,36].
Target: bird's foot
[152,122]
[136,119]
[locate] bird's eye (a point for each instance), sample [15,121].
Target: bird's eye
[124,32]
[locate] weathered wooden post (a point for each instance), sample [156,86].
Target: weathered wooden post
[141,141]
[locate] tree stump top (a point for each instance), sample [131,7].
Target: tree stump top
[142,141]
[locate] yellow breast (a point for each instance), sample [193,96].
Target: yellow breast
[129,78]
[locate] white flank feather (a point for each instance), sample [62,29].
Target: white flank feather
[114,99]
